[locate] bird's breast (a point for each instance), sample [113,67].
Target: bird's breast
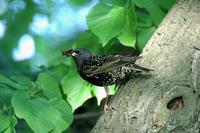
[101,79]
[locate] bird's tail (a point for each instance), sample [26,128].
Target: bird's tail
[141,69]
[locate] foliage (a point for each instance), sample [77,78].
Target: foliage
[35,102]
[48,95]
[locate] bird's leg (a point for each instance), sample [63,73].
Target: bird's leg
[106,106]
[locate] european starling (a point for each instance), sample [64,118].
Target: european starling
[104,70]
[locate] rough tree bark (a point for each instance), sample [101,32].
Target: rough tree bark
[169,100]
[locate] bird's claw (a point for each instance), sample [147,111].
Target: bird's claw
[106,108]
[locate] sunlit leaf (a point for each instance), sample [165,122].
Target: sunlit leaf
[128,37]
[40,114]
[100,92]
[106,22]
[112,89]
[76,89]
[23,81]
[7,122]
[48,85]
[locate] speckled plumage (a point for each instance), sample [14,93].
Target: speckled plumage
[104,70]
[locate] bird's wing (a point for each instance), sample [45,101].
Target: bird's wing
[107,63]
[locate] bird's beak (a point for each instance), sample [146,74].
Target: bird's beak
[67,52]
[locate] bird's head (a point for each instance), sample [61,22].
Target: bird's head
[80,55]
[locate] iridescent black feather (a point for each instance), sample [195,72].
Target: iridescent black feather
[104,70]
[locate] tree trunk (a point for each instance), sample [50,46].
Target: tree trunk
[169,99]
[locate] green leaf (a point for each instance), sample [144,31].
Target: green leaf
[143,36]
[76,89]
[165,4]
[144,20]
[65,110]
[114,2]
[128,37]
[7,88]
[24,82]
[41,115]
[100,93]
[152,8]
[106,22]
[9,82]
[112,89]
[78,2]
[89,41]
[7,122]
[13,123]
[59,71]
[49,86]
[6,93]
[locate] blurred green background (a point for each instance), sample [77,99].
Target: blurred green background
[38,84]
[32,32]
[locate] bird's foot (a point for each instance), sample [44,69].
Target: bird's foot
[106,108]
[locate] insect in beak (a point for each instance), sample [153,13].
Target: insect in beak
[67,52]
